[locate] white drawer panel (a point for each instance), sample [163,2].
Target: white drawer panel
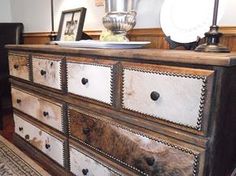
[42,110]
[179,97]
[90,81]
[83,165]
[48,144]
[47,72]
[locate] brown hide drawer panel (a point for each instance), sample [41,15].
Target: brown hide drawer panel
[19,65]
[136,150]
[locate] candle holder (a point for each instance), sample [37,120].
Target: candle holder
[212,43]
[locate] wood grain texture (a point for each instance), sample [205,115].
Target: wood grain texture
[48,144]
[43,110]
[139,55]
[154,35]
[142,153]
[19,65]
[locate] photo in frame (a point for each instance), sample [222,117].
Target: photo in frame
[71,24]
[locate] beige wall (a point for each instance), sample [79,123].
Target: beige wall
[35,14]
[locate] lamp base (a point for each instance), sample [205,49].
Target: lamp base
[212,42]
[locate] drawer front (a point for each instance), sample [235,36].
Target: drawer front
[19,66]
[49,145]
[81,164]
[146,155]
[170,96]
[47,72]
[41,109]
[91,81]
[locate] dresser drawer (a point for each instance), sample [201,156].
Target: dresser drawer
[48,144]
[41,109]
[82,164]
[134,149]
[19,65]
[91,81]
[177,95]
[47,71]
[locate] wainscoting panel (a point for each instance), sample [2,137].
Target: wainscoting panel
[155,35]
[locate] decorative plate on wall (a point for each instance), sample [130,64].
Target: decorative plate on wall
[186,20]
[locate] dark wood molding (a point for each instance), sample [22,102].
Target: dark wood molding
[155,35]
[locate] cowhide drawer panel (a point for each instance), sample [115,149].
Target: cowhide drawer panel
[145,155]
[19,65]
[82,164]
[48,144]
[91,81]
[44,110]
[47,71]
[178,95]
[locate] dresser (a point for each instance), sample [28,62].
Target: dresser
[109,112]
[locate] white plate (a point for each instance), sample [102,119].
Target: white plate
[186,20]
[100,44]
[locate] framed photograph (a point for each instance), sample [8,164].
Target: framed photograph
[71,24]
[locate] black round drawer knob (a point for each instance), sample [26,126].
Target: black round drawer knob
[150,161]
[86,131]
[18,101]
[20,128]
[47,146]
[43,72]
[84,81]
[85,171]
[16,66]
[155,96]
[27,137]
[45,113]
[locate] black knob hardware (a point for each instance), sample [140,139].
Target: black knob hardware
[150,161]
[16,66]
[20,128]
[27,137]
[18,101]
[45,113]
[86,131]
[43,72]
[155,96]
[85,171]
[47,146]
[84,81]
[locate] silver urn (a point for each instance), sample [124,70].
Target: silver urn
[120,15]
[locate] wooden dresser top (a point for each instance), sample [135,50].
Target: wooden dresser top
[180,56]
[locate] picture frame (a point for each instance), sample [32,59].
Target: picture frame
[71,24]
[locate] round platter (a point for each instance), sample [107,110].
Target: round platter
[186,20]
